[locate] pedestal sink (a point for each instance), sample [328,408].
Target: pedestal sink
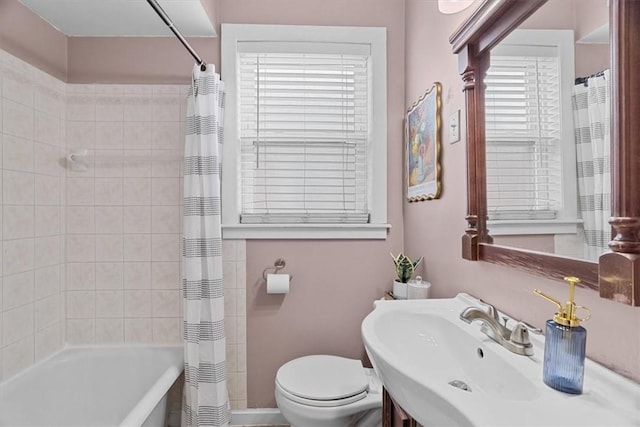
[445,372]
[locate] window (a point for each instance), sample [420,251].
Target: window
[305,132]
[530,154]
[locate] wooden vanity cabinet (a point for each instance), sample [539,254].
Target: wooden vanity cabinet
[393,415]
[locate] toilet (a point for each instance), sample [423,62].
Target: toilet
[328,391]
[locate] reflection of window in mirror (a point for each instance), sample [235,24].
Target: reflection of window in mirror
[548,185]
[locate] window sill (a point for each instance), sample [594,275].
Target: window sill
[305,231]
[520,227]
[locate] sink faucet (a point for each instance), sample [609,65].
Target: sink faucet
[516,340]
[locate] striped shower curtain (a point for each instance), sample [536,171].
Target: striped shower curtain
[592,120]
[205,397]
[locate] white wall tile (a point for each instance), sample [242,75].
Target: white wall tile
[47,220]
[17,154]
[137,219]
[137,330]
[165,275]
[166,135]
[137,108]
[17,290]
[108,164]
[17,119]
[48,341]
[165,191]
[137,275]
[47,312]
[108,191]
[80,134]
[47,281]
[81,107]
[17,188]
[47,129]
[109,331]
[81,304]
[80,276]
[109,247]
[137,303]
[165,219]
[17,356]
[18,222]
[109,220]
[167,330]
[110,304]
[47,159]
[109,108]
[166,108]
[47,251]
[137,247]
[137,135]
[109,275]
[109,135]
[137,163]
[17,86]
[81,331]
[80,219]
[137,191]
[18,256]
[166,303]
[17,324]
[79,191]
[229,274]
[49,190]
[165,247]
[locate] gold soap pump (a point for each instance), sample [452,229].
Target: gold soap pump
[565,344]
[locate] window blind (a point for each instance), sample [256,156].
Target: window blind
[304,135]
[523,137]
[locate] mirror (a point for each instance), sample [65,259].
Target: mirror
[548,138]
[615,274]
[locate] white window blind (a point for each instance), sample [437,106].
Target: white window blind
[523,137]
[304,134]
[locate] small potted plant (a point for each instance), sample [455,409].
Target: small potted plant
[404,271]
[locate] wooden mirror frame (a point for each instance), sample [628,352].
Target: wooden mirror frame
[617,274]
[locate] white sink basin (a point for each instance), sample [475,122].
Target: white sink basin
[444,371]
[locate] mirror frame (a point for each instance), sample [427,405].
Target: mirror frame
[617,273]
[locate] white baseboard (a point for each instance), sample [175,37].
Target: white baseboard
[262,416]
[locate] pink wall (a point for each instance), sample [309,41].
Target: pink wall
[434,229]
[335,282]
[27,36]
[151,60]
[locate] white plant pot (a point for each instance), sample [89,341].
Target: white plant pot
[399,290]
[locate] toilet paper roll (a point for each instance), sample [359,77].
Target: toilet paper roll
[277,283]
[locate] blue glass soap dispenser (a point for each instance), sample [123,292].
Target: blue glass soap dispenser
[564,346]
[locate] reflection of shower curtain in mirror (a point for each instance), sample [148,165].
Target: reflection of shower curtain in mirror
[592,119]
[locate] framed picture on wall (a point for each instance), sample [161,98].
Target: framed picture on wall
[423,137]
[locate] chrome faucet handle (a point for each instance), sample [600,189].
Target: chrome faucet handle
[520,334]
[531,328]
[491,310]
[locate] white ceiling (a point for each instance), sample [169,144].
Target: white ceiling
[113,18]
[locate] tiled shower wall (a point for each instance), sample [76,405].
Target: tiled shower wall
[113,221]
[123,216]
[32,131]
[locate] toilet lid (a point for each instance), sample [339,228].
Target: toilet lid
[323,377]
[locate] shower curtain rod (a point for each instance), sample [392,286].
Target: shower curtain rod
[163,15]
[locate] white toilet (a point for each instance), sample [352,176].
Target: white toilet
[329,391]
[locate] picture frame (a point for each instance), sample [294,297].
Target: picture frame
[423,146]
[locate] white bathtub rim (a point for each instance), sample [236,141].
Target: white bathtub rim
[146,405]
[17,375]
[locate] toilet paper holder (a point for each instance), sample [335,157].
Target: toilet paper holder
[278,265]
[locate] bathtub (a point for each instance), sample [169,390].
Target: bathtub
[93,386]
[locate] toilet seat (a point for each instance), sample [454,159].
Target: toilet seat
[323,381]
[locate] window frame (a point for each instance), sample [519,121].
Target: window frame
[566,221]
[377,228]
